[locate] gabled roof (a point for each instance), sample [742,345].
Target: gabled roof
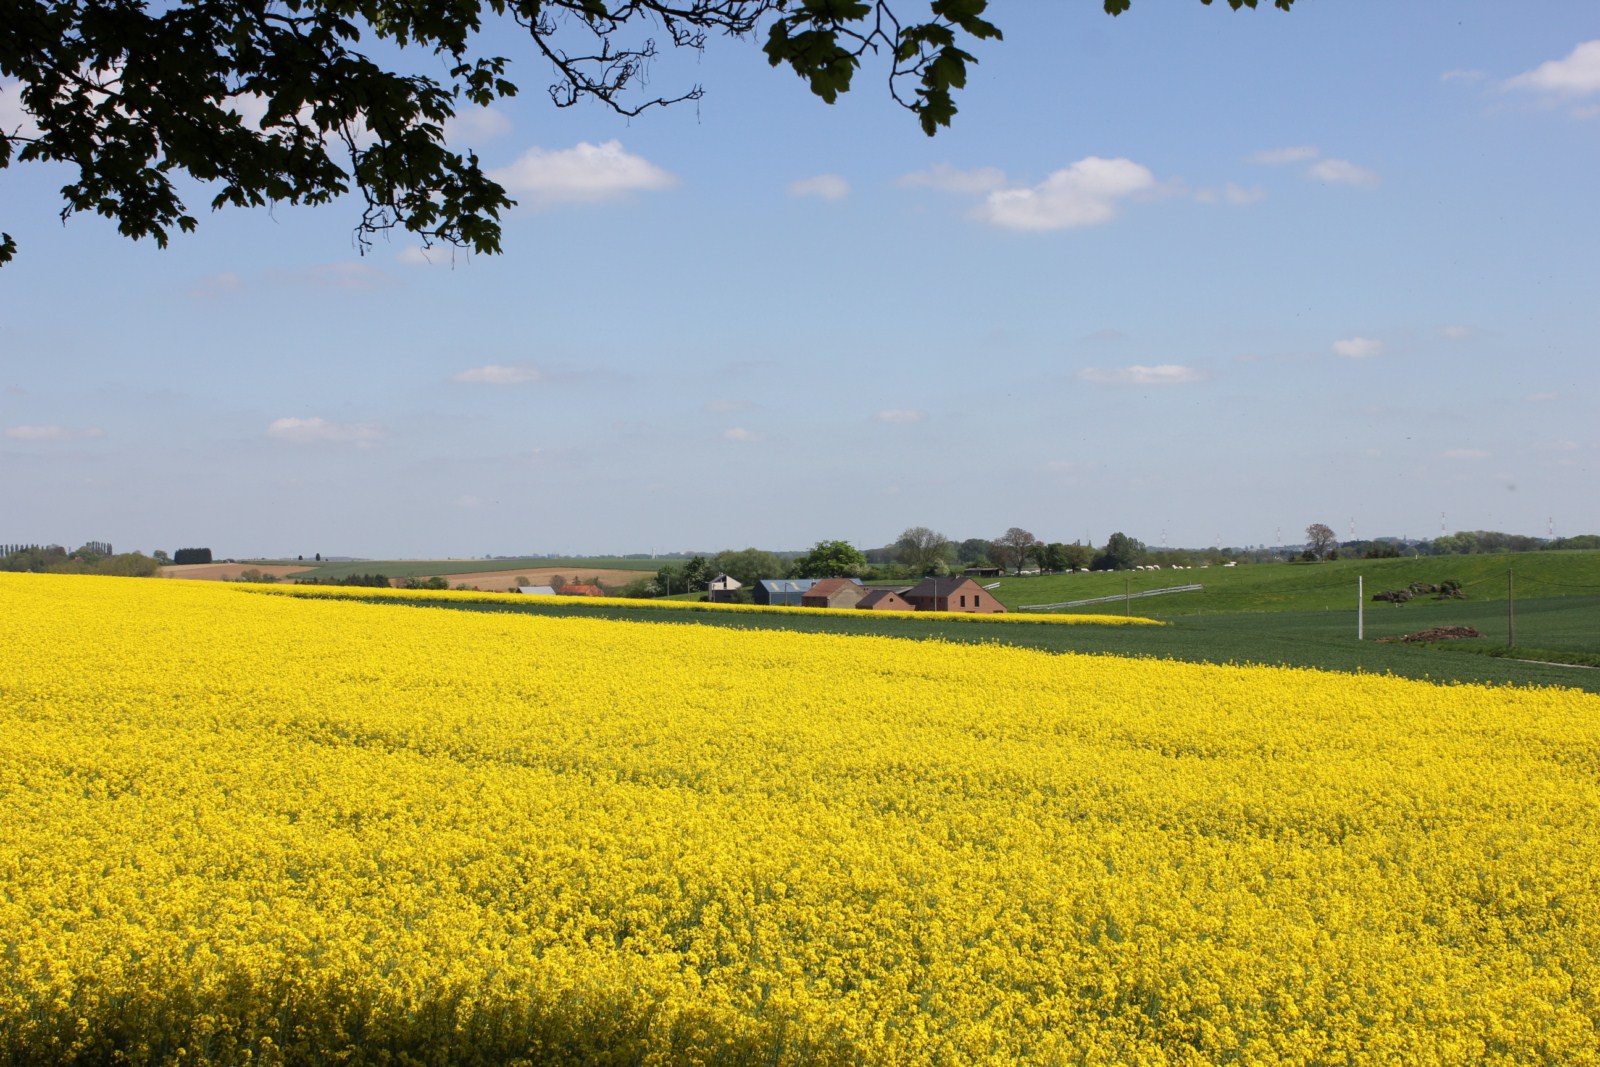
[878,596]
[537,590]
[582,590]
[938,587]
[829,586]
[723,581]
[787,585]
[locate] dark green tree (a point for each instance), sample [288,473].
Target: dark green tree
[1320,540]
[1121,552]
[134,95]
[697,574]
[923,551]
[748,566]
[1078,557]
[669,580]
[1014,548]
[974,551]
[830,559]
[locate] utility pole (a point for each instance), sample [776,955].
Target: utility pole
[1125,609]
[1361,608]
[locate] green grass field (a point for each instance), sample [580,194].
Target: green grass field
[1294,614]
[1312,586]
[418,568]
[1321,639]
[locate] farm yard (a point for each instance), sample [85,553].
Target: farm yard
[247,828]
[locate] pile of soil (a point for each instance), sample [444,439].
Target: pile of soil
[1438,633]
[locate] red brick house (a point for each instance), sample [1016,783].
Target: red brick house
[582,590]
[884,600]
[833,593]
[952,594]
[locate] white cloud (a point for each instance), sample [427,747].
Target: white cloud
[1358,348]
[13,119]
[1455,332]
[413,256]
[1085,194]
[476,125]
[252,111]
[948,179]
[585,173]
[739,433]
[901,416]
[216,285]
[1341,172]
[1231,193]
[496,374]
[52,433]
[1277,157]
[823,186]
[305,431]
[1465,453]
[1164,374]
[250,107]
[350,275]
[1576,75]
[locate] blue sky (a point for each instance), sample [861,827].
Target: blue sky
[1196,275]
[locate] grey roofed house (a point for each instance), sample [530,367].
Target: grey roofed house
[782,592]
[537,590]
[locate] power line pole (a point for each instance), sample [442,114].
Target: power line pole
[1361,608]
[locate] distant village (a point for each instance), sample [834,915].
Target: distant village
[931,594]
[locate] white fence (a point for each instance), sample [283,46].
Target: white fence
[1110,599]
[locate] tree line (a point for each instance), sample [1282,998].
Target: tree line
[918,553]
[89,559]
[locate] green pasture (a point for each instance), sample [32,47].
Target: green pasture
[424,568]
[1253,587]
[1324,639]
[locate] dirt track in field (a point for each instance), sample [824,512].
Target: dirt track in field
[227,572]
[500,581]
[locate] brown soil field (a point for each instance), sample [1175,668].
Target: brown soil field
[216,572]
[500,581]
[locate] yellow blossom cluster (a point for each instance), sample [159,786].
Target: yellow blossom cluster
[474,596]
[304,830]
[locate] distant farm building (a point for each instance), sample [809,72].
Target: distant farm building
[781,592]
[951,594]
[982,572]
[722,589]
[884,600]
[537,590]
[833,593]
[582,590]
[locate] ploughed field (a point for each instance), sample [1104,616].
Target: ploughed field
[278,829]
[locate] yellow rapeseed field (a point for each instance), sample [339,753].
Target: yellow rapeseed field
[264,829]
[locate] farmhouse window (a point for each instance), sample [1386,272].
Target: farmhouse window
[977,601]
[963,600]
